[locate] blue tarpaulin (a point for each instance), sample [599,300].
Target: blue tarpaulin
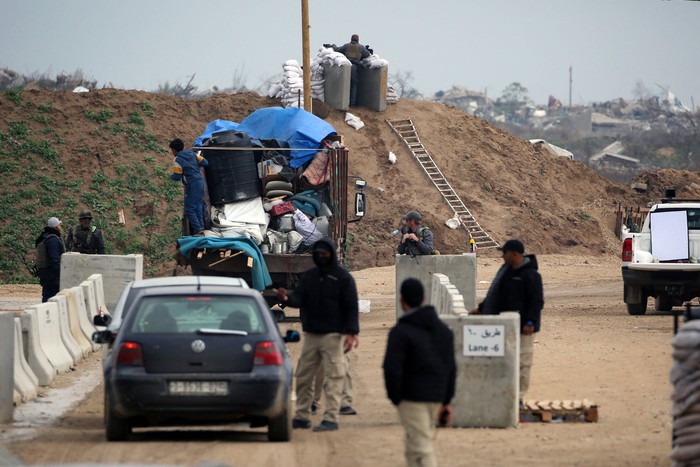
[297,127]
[214,127]
[259,273]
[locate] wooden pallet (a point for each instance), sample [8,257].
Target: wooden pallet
[559,411]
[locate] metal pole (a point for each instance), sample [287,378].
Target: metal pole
[571,80]
[306,54]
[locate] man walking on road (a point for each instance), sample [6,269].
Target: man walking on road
[420,373]
[517,287]
[327,302]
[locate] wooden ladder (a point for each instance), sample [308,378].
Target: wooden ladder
[405,129]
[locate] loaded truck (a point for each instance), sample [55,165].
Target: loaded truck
[661,260]
[252,178]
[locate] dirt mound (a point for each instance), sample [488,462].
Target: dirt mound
[106,151]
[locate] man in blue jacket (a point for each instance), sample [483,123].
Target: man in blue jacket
[328,307]
[419,373]
[517,287]
[186,169]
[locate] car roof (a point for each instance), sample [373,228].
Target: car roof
[191,281]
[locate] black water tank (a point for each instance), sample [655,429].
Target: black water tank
[232,175]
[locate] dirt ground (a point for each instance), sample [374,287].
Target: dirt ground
[589,347]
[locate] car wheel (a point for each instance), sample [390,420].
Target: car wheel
[116,428]
[663,303]
[280,427]
[637,308]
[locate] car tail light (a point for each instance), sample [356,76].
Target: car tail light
[267,353]
[130,354]
[627,250]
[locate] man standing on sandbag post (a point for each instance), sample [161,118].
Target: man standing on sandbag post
[186,169]
[355,52]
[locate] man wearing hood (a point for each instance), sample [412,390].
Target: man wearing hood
[49,248]
[327,300]
[517,287]
[419,373]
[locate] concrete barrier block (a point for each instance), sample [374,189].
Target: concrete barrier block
[7,364]
[461,270]
[336,86]
[19,339]
[90,296]
[116,270]
[371,88]
[78,318]
[436,290]
[67,334]
[34,353]
[96,279]
[488,371]
[23,382]
[50,336]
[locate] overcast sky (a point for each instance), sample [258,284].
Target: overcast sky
[483,45]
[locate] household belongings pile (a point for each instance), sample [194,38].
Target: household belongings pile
[290,89]
[277,198]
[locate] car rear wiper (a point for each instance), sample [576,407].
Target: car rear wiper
[221,331]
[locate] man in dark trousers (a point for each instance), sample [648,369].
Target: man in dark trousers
[186,169]
[328,307]
[355,52]
[49,248]
[517,287]
[85,238]
[420,373]
[416,239]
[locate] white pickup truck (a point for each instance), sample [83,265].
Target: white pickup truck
[661,261]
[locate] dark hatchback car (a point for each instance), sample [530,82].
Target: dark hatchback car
[195,351]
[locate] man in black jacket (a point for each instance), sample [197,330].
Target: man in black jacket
[419,373]
[328,307]
[517,287]
[49,248]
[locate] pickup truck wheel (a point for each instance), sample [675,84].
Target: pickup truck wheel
[663,303]
[637,308]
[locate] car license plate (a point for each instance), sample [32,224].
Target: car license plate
[198,388]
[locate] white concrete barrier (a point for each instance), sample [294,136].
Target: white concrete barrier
[78,315]
[488,369]
[67,337]
[25,383]
[50,336]
[90,299]
[7,363]
[116,270]
[99,292]
[36,357]
[461,270]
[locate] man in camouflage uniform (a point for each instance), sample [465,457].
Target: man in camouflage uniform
[85,238]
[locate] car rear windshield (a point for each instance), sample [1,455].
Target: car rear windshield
[187,314]
[693,217]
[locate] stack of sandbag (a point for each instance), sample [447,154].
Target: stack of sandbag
[374,61]
[325,56]
[290,89]
[391,96]
[685,377]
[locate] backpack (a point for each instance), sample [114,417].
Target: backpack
[42,257]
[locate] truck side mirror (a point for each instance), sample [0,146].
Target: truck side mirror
[360,204]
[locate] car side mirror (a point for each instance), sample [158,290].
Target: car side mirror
[292,336]
[101,320]
[360,204]
[103,337]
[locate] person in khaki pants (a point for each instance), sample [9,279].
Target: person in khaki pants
[420,373]
[327,302]
[517,287]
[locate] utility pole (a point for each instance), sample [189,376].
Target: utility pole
[571,80]
[306,54]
